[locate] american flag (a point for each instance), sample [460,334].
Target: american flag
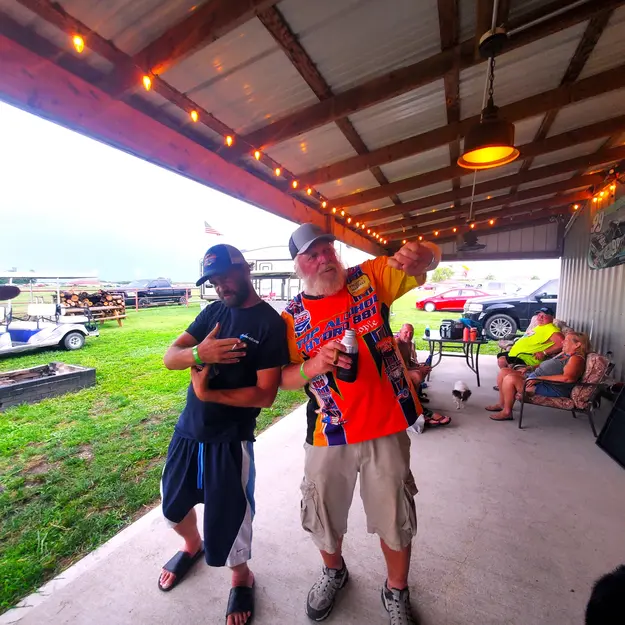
[208,229]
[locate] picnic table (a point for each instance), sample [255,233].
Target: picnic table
[455,348]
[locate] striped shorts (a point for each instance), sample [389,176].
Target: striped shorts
[221,476]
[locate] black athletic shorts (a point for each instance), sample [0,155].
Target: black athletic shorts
[221,476]
[513,361]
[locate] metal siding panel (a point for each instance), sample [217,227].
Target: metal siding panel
[486,175]
[567,153]
[351,184]
[352,41]
[315,149]
[528,70]
[609,50]
[432,189]
[406,115]
[545,181]
[130,25]
[417,164]
[593,299]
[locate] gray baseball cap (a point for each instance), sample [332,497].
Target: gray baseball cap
[305,236]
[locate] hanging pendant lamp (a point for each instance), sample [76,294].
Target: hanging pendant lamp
[490,143]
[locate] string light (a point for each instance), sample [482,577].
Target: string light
[594,199]
[357,224]
[147,82]
[601,193]
[368,230]
[324,204]
[342,213]
[349,220]
[230,141]
[309,191]
[612,187]
[79,43]
[277,171]
[194,116]
[575,207]
[294,184]
[403,242]
[435,233]
[455,230]
[420,238]
[334,210]
[491,222]
[257,155]
[472,226]
[362,226]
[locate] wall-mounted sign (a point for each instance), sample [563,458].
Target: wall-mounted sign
[607,236]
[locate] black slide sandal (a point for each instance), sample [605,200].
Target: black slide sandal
[180,565]
[241,600]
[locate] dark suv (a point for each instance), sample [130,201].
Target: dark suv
[151,292]
[502,316]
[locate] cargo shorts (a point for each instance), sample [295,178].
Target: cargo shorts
[387,490]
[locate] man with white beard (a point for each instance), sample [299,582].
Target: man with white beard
[354,427]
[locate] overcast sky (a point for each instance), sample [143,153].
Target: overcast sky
[71,204]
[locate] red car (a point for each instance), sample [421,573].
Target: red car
[449,300]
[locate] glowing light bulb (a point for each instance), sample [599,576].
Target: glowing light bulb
[435,233]
[575,207]
[277,171]
[472,226]
[194,116]
[257,155]
[612,187]
[324,204]
[368,230]
[294,184]
[342,213]
[309,191]
[229,141]
[79,43]
[491,222]
[147,82]
[602,193]
[334,210]
[357,224]
[349,220]
[455,230]
[420,238]
[594,199]
[403,242]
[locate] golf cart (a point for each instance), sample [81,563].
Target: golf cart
[42,326]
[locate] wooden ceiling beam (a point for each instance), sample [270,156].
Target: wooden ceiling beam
[205,24]
[587,43]
[555,143]
[448,21]
[520,196]
[523,212]
[604,82]
[278,28]
[44,88]
[578,163]
[507,225]
[411,77]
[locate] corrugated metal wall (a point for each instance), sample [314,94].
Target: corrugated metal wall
[593,301]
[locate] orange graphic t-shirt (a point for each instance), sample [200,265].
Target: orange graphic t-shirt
[381,401]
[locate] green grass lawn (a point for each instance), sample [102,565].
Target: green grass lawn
[77,468]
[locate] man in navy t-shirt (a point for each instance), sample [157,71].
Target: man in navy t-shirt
[235,349]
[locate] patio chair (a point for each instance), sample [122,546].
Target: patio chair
[583,395]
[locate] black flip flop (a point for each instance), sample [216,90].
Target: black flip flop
[180,565]
[241,599]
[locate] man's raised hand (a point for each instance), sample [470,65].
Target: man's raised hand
[213,351]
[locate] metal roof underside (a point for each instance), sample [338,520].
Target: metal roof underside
[399,76]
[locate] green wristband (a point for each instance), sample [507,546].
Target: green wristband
[198,360]
[303,374]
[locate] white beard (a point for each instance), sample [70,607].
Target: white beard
[325,284]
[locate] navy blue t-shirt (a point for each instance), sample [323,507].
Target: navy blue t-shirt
[266,348]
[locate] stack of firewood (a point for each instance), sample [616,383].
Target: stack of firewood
[71,299]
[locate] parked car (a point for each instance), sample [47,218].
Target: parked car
[454,299]
[151,292]
[502,317]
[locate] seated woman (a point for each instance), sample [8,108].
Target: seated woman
[567,367]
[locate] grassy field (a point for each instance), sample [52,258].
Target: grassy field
[77,468]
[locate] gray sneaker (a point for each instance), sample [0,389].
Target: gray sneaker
[397,604]
[322,594]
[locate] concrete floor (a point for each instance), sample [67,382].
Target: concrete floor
[514,526]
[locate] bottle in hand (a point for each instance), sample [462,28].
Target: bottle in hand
[350,348]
